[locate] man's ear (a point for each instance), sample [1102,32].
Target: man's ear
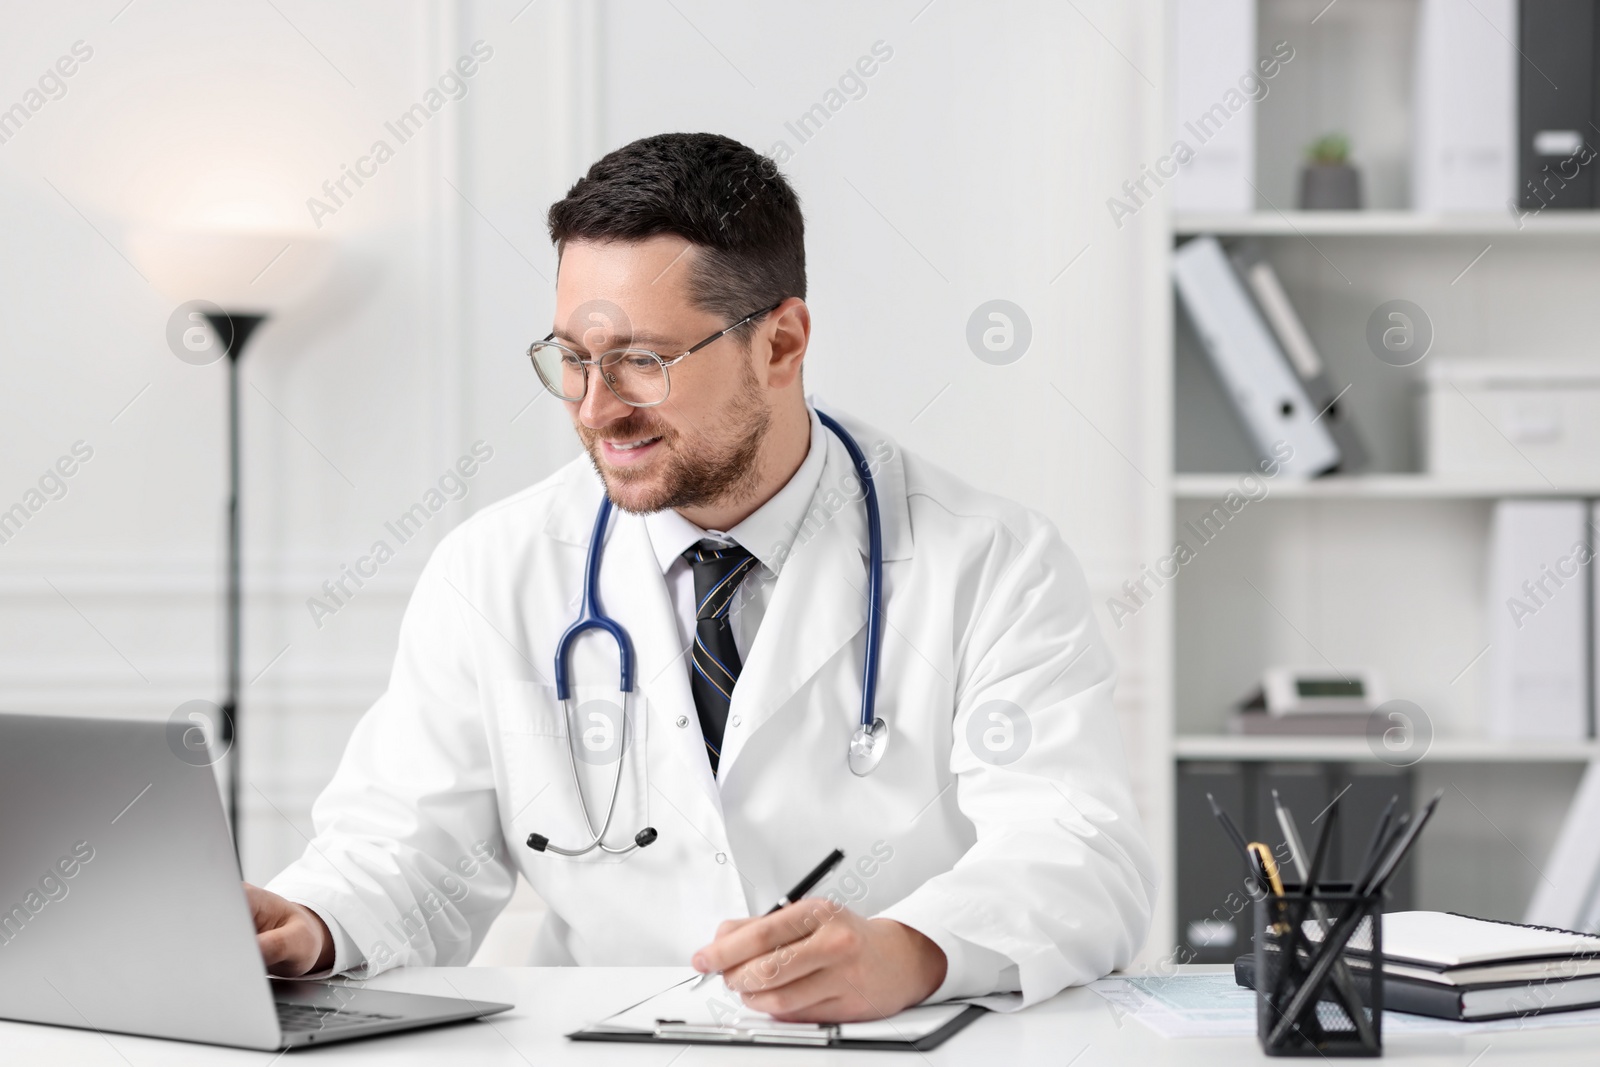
[791,334]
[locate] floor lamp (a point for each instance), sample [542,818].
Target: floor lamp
[233,333]
[234,281]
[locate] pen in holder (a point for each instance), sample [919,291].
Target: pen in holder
[1319,972]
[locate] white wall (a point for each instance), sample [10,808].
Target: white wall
[976,166]
[187,114]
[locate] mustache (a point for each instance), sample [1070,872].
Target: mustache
[634,428]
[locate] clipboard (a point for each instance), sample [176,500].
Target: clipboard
[678,1016]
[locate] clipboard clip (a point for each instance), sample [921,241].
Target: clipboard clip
[776,1033]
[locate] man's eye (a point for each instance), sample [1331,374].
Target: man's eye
[571,360]
[641,363]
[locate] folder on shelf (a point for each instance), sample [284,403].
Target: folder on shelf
[1302,355]
[1463,154]
[1568,894]
[1213,43]
[1213,921]
[1592,533]
[1556,104]
[1538,621]
[1254,372]
[684,1015]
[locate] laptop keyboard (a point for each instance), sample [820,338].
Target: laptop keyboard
[298,1018]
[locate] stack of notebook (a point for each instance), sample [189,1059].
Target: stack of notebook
[1456,967]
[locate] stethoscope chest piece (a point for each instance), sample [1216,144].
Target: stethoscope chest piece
[866,747]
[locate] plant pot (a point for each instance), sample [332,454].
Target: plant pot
[1330,187]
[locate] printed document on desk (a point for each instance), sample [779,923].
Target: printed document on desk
[716,1015]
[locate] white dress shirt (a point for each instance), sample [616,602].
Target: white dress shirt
[768,534]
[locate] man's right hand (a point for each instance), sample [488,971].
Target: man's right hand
[293,939]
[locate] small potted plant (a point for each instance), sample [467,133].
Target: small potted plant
[1327,181]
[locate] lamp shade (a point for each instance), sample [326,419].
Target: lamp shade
[259,272]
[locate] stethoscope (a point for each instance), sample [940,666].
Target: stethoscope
[871,733]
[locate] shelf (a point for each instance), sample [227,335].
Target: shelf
[1377,486]
[1355,749]
[1387,223]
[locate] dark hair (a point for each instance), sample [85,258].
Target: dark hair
[725,198]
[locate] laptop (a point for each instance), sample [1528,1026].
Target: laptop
[121,907]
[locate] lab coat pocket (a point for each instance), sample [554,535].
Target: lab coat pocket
[607,753]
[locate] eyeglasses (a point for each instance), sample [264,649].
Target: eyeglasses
[636,376]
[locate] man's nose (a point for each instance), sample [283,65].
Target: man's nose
[600,406]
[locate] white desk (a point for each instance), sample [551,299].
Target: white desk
[1076,1027]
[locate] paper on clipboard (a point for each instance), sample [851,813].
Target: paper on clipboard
[684,1009]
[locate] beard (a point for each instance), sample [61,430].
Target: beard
[696,474]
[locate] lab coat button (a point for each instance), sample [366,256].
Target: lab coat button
[683,720]
[722,857]
[735,720]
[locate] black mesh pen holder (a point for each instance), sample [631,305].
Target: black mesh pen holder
[1319,973]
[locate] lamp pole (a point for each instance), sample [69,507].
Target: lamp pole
[234,332]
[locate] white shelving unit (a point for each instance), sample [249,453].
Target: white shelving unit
[1377,487]
[1388,224]
[1356,749]
[1385,568]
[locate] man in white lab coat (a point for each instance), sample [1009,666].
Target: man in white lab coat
[995,848]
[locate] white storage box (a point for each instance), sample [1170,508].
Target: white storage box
[1520,419]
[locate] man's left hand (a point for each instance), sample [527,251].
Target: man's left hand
[814,962]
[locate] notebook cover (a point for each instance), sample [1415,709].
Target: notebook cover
[1397,937]
[1424,998]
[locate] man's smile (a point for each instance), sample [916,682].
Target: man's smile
[628,453]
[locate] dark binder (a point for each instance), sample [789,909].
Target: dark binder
[1556,109]
[1213,906]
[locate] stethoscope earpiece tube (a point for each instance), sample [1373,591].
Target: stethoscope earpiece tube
[872,733]
[590,615]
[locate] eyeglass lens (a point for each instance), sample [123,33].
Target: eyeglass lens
[634,375]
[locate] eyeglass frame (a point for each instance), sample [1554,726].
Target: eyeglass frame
[663,361]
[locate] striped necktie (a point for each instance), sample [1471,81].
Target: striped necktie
[718,570]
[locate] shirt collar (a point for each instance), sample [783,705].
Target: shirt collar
[768,532]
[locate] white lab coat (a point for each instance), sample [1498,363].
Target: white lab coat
[421,833]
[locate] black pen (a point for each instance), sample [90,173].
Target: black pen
[1396,854]
[1291,836]
[1234,835]
[1379,832]
[1319,853]
[805,885]
[809,882]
